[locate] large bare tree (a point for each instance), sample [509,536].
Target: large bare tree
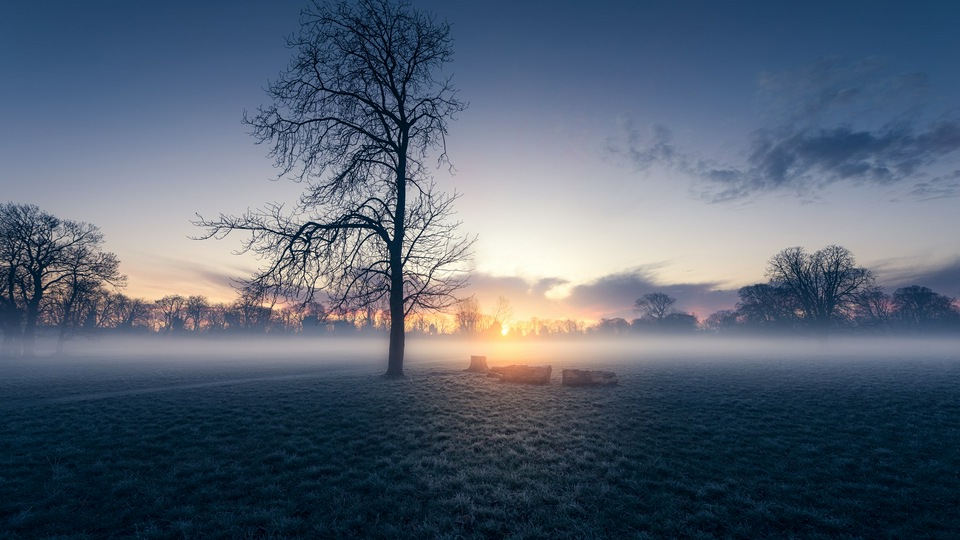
[361,109]
[654,306]
[46,259]
[825,283]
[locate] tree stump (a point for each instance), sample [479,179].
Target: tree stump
[478,364]
[583,377]
[522,374]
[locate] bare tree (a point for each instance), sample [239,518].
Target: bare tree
[47,258]
[654,306]
[250,312]
[468,316]
[11,276]
[504,312]
[358,112]
[722,322]
[767,307]
[614,326]
[128,313]
[195,311]
[825,283]
[173,312]
[217,315]
[920,308]
[84,270]
[873,309]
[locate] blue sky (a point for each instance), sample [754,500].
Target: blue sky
[610,149]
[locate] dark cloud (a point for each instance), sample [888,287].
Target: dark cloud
[612,295]
[808,160]
[833,121]
[944,279]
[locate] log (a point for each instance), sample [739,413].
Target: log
[522,374]
[478,364]
[583,377]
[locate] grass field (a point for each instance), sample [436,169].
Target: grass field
[705,445]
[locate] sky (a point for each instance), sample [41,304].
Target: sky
[609,150]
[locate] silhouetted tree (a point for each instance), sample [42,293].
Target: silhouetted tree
[825,283]
[84,270]
[767,307]
[128,313]
[360,109]
[195,310]
[250,312]
[920,308]
[46,258]
[654,306]
[173,312]
[873,309]
[468,316]
[722,322]
[679,322]
[217,315]
[12,255]
[503,313]
[314,318]
[613,327]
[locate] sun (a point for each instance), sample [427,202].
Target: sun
[504,329]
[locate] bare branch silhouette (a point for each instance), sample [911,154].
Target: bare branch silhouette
[356,115]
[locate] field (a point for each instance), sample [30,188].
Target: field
[831,442]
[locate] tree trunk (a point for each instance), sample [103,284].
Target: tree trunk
[397,312]
[64,324]
[397,336]
[30,330]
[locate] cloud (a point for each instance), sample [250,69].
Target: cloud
[612,295]
[643,150]
[832,121]
[939,187]
[944,279]
[835,89]
[808,160]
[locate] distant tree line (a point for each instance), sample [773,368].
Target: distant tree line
[826,292]
[56,277]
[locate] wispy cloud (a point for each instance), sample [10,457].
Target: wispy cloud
[642,149]
[809,160]
[829,122]
[612,295]
[943,278]
[835,89]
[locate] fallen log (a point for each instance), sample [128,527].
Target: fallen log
[522,374]
[584,377]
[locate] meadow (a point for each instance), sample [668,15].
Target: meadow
[829,442]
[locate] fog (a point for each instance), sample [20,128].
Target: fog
[120,367]
[370,353]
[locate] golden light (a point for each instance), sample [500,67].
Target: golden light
[504,329]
